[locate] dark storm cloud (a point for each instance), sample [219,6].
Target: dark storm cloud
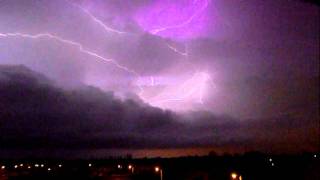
[262,58]
[36,113]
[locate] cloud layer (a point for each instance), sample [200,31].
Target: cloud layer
[96,74]
[36,114]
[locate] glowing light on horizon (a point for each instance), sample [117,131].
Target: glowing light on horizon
[234,175]
[157,169]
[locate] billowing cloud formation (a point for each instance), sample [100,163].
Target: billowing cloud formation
[241,40]
[236,41]
[36,113]
[239,71]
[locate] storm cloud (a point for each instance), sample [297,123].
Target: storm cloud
[36,113]
[145,74]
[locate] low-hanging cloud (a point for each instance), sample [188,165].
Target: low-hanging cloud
[36,113]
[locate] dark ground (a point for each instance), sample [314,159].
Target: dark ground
[251,166]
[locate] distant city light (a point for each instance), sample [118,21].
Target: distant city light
[157,169]
[36,165]
[21,165]
[315,156]
[29,167]
[234,175]
[272,164]
[130,167]
[15,166]
[119,166]
[60,165]
[49,169]
[3,167]
[270,160]
[89,164]
[42,165]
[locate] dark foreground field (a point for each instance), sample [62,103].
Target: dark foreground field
[251,166]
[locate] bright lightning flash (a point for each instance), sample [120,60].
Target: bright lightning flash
[191,90]
[96,20]
[185,54]
[184,23]
[112,30]
[69,42]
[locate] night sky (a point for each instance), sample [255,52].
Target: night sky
[92,78]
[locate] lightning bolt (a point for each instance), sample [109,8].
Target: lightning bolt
[82,49]
[69,42]
[80,46]
[204,77]
[188,91]
[152,81]
[188,21]
[96,20]
[76,44]
[112,30]
[185,54]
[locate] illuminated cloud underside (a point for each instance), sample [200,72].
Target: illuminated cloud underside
[224,74]
[173,94]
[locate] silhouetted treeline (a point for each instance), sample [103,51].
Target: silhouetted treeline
[253,165]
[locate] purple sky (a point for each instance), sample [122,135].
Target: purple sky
[212,69]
